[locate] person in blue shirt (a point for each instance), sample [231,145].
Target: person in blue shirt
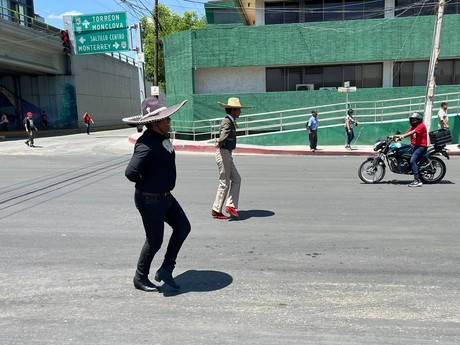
[312,127]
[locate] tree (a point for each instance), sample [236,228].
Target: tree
[169,23]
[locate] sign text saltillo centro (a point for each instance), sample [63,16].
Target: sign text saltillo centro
[100,33]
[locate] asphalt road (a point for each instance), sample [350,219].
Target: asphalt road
[317,258]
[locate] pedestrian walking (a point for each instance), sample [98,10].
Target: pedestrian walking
[30,129]
[229,178]
[44,119]
[312,128]
[88,121]
[5,122]
[153,170]
[442,116]
[350,123]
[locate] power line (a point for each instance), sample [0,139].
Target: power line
[337,9]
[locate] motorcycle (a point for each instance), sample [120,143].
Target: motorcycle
[396,156]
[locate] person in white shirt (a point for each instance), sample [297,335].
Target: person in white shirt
[442,116]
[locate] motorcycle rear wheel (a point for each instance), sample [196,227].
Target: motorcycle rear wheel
[368,173]
[434,172]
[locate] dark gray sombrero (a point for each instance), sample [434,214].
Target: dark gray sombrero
[152,110]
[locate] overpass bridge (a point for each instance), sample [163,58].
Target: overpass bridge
[37,75]
[31,50]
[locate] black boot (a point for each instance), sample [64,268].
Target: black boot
[166,275]
[143,283]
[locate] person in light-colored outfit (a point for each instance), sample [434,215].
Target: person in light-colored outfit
[229,178]
[442,116]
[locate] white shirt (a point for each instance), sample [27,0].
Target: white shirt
[442,114]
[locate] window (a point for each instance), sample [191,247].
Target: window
[374,9]
[291,12]
[352,73]
[281,12]
[314,11]
[322,10]
[275,79]
[457,72]
[22,15]
[294,78]
[372,75]
[314,75]
[445,72]
[361,75]
[452,7]
[4,12]
[353,10]
[402,74]
[273,13]
[226,16]
[406,8]
[333,10]
[333,76]
[415,73]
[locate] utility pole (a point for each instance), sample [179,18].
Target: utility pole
[155,58]
[139,60]
[431,84]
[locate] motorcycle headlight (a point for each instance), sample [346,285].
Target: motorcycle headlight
[378,145]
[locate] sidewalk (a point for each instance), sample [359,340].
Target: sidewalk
[327,150]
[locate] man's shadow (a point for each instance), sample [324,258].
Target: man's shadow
[254,213]
[198,281]
[399,182]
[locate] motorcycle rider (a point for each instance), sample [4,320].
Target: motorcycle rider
[419,142]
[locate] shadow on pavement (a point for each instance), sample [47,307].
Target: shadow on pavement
[400,182]
[255,214]
[198,281]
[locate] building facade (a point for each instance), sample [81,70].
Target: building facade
[296,54]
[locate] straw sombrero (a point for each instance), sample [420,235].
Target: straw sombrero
[233,102]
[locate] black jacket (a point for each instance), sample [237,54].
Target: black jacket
[152,166]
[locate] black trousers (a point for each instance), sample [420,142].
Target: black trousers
[155,211]
[313,137]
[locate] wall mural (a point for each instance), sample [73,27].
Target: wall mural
[64,118]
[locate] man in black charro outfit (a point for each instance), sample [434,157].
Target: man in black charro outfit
[153,169]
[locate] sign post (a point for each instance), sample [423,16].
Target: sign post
[346,90]
[100,33]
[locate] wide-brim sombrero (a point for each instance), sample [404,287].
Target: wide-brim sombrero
[152,110]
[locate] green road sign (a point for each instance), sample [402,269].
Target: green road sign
[100,33]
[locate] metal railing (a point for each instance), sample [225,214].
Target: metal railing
[24,20]
[331,115]
[123,57]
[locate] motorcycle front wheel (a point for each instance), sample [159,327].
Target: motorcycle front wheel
[368,173]
[432,172]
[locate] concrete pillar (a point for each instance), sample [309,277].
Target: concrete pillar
[387,73]
[260,12]
[389,8]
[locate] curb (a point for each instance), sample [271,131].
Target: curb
[268,151]
[245,149]
[203,147]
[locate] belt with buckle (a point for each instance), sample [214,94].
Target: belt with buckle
[138,192]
